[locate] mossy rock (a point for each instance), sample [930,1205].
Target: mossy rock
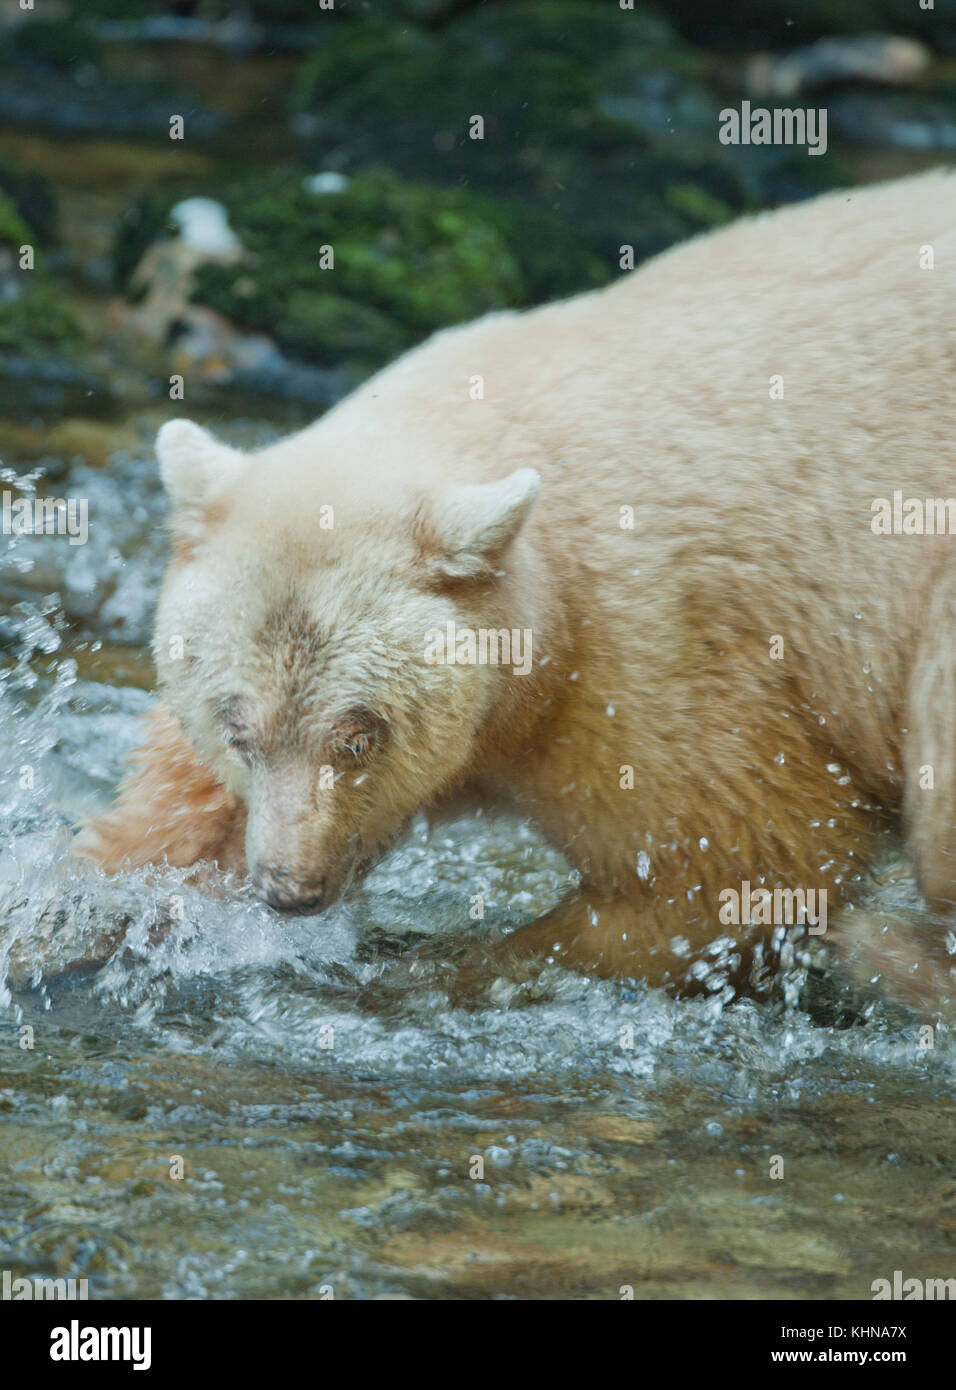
[407,259]
[328,328]
[40,368]
[39,319]
[534,73]
[578,102]
[33,313]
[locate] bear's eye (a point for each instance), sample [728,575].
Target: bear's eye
[357,734]
[354,740]
[236,732]
[237,741]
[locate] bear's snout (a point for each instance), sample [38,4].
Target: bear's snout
[281,890]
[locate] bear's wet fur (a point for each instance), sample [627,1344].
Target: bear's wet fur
[749,683]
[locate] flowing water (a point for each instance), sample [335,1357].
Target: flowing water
[200,1100]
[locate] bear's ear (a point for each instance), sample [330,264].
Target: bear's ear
[467,527]
[194,468]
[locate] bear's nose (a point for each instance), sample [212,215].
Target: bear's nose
[281,890]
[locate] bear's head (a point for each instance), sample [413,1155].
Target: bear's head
[292,641]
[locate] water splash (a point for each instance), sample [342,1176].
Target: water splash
[330,1098]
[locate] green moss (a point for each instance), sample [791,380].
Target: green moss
[532,71]
[554,259]
[39,319]
[33,313]
[698,205]
[408,259]
[337,329]
[344,68]
[41,368]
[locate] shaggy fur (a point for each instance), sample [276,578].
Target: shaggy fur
[652,646]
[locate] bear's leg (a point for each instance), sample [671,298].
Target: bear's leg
[594,932]
[912,956]
[590,932]
[170,806]
[929,802]
[614,935]
[921,966]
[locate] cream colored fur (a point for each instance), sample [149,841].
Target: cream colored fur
[652,646]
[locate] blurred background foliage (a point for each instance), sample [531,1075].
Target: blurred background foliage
[350,127]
